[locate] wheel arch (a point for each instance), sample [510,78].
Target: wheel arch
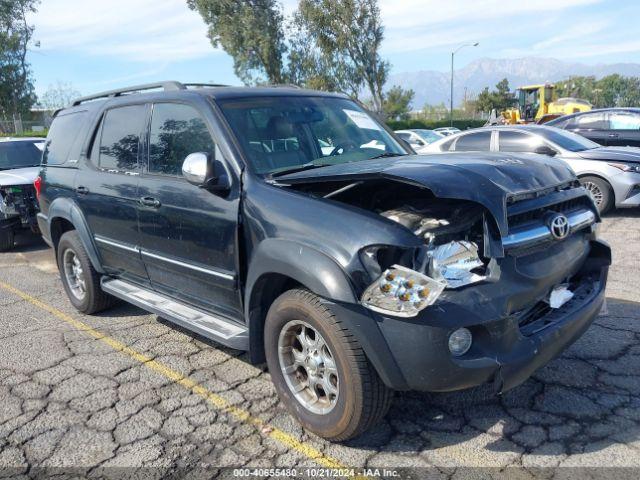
[65,215]
[280,265]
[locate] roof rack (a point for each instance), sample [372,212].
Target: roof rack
[166,86]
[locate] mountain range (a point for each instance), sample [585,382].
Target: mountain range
[432,87]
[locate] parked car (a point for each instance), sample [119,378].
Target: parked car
[352,273]
[612,175]
[446,130]
[19,166]
[419,138]
[608,126]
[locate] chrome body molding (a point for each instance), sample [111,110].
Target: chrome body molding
[162,258]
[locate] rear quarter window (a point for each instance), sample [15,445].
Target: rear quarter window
[64,139]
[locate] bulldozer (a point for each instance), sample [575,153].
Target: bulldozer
[538,104]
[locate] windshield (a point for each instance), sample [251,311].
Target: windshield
[19,155]
[280,134]
[429,135]
[567,140]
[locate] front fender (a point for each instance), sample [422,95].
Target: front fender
[304,264]
[67,209]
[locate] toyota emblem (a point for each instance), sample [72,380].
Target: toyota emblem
[559,226]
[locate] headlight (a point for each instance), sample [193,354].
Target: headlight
[626,167]
[401,292]
[456,263]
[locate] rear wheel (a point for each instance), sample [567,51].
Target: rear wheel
[80,279]
[320,371]
[7,239]
[601,192]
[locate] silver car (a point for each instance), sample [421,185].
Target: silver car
[611,174]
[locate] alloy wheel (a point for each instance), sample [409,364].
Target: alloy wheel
[74,274]
[595,192]
[308,367]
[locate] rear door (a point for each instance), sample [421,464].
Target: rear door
[187,234]
[593,125]
[106,189]
[624,129]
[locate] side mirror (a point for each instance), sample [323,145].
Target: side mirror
[545,150]
[200,171]
[418,142]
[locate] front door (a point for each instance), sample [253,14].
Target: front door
[187,233]
[106,189]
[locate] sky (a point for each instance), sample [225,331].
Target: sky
[98,45]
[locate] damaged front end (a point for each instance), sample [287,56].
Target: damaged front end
[19,202]
[454,252]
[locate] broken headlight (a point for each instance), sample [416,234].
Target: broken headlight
[456,263]
[402,292]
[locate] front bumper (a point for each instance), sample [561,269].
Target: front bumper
[413,354]
[626,188]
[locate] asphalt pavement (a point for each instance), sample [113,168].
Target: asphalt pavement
[125,391]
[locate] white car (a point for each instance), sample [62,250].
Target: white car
[19,167]
[447,130]
[419,138]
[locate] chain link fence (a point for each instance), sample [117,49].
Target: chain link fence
[37,124]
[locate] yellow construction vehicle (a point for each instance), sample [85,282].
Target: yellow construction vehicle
[537,103]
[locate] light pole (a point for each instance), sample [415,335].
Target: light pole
[451,98]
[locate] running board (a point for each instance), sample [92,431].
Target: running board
[213,327]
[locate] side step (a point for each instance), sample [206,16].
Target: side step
[213,327]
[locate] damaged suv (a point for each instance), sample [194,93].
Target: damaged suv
[19,165]
[292,224]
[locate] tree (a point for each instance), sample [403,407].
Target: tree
[350,31]
[58,96]
[251,31]
[16,87]
[396,103]
[500,98]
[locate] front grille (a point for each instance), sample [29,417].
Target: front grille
[541,315]
[537,215]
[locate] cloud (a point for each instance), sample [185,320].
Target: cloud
[132,30]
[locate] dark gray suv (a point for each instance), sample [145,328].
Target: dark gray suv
[292,224]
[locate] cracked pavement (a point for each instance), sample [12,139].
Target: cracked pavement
[69,400]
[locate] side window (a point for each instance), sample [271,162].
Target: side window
[594,121]
[120,138]
[510,141]
[63,135]
[474,142]
[624,121]
[176,131]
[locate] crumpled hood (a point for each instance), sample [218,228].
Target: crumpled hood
[486,178]
[615,154]
[18,176]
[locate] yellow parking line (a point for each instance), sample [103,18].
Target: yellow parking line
[215,400]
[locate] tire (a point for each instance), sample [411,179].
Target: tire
[7,239]
[94,299]
[600,190]
[362,399]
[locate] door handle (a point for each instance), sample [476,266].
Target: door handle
[82,190]
[150,202]
[613,135]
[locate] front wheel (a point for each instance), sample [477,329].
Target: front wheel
[600,191]
[319,369]
[7,239]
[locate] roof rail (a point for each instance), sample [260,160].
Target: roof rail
[166,86]
[282,85]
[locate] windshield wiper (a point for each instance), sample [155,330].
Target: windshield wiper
[299,168]
[388,154]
